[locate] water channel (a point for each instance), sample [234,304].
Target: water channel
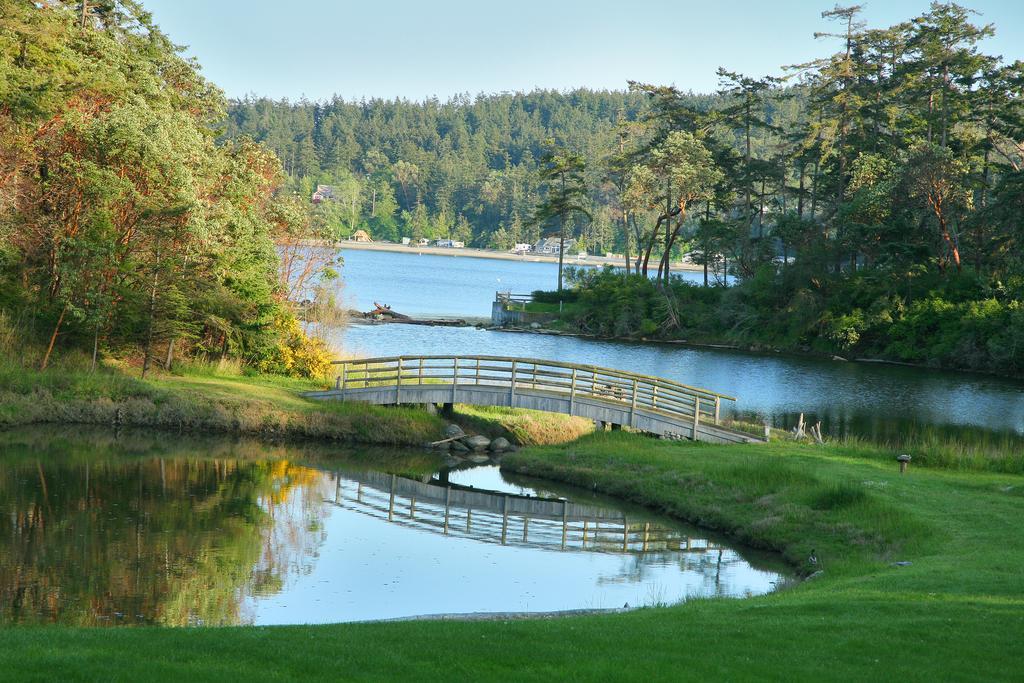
[106,528]
[869,399]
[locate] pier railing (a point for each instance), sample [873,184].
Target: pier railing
[627,390]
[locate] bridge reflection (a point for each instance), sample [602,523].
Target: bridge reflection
[508,519]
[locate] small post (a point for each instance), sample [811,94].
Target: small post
[512,387]
[419,375]
[696,415]
[478,371]
[718,407]
[767,431]
[572,391]
[903,460]
[455,377]
[632,407]
[654,397]
[344,375]
[398,385]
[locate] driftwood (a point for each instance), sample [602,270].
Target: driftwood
[816,433]
[798,431]
[385,311]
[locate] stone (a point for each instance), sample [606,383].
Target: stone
[453,432]
[500,444]
[534,326]
[477,442]
[459,447]
[478,459]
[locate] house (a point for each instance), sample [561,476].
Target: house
[423,242]
[323,193]
[450,244]
[522,248]
[406,241]
[360,236]
[550,245]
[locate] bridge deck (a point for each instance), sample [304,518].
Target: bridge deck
[650,404]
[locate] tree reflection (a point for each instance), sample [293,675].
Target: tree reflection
[154,540]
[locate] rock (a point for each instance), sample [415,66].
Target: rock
[459,447]
[477,442]
[902,563]
[453,432]
[478,458]
[443,446]
[452,461]
[534,326]
[500,444]
[840,358]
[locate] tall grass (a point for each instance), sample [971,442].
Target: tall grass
[971,450]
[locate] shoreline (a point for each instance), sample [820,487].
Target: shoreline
[469,252]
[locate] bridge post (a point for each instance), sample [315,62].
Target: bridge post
[572,391]
[718,407]
[398,384]
[512,388]
[632,407]
[696,416]
[455,377]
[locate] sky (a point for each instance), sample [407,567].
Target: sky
[416,49]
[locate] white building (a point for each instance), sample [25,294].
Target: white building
[450,244]
[551,245]
[522,248]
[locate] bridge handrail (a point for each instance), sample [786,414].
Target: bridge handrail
[631,391]
[596,369]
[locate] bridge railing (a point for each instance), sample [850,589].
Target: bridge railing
[625,389]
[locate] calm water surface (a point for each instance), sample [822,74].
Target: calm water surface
[863,398]
[443,286]
[869,399]
[103,528]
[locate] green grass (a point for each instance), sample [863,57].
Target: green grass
[525,427]
[202,399]
[956,613]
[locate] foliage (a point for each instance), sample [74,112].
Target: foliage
[125,226]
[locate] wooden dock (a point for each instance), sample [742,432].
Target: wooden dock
[622,399]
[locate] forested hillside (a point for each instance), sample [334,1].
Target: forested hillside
[466,168]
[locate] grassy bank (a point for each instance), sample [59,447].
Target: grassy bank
[201,399]
[954,613]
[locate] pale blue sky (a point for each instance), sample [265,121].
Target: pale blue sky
[417,49]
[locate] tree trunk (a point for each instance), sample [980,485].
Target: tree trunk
[53,338]
[95,346]
[170,355]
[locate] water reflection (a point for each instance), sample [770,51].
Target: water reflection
[105,530]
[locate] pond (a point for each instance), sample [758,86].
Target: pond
[106,528]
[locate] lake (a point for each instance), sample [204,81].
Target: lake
[127,528]
[442,286]
[870,399]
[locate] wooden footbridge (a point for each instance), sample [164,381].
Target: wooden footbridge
[649,404]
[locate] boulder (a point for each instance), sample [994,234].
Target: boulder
[477,442]
[500,444]
[534,326]
[459,447]
[478,459]
[453,432]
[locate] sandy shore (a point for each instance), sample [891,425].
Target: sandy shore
[501,255]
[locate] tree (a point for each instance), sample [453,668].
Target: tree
[565,195]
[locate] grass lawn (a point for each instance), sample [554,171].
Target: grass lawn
[203,400]
[955,613]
